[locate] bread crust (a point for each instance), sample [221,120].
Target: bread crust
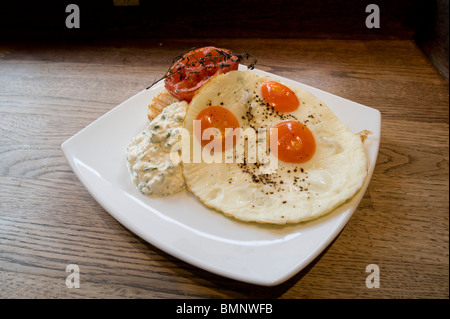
[159,102]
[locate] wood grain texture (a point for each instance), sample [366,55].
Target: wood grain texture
[48,220]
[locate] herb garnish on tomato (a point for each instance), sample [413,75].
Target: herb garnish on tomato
[188,72]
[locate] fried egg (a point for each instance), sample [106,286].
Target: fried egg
[319,163]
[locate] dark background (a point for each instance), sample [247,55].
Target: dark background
[423,21]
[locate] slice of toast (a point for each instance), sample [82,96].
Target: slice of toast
[159,102]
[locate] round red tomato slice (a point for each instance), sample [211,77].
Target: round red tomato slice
[194,68]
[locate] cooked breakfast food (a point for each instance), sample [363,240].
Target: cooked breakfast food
[320,163]
[148,154]
[188,74]
[299,163]
[159,102]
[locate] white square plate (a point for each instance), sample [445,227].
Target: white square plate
[183,227]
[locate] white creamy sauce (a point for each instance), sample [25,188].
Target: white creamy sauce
[148,154]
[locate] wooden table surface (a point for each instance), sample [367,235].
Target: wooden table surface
[48,220]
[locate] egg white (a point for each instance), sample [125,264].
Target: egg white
[294,192]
